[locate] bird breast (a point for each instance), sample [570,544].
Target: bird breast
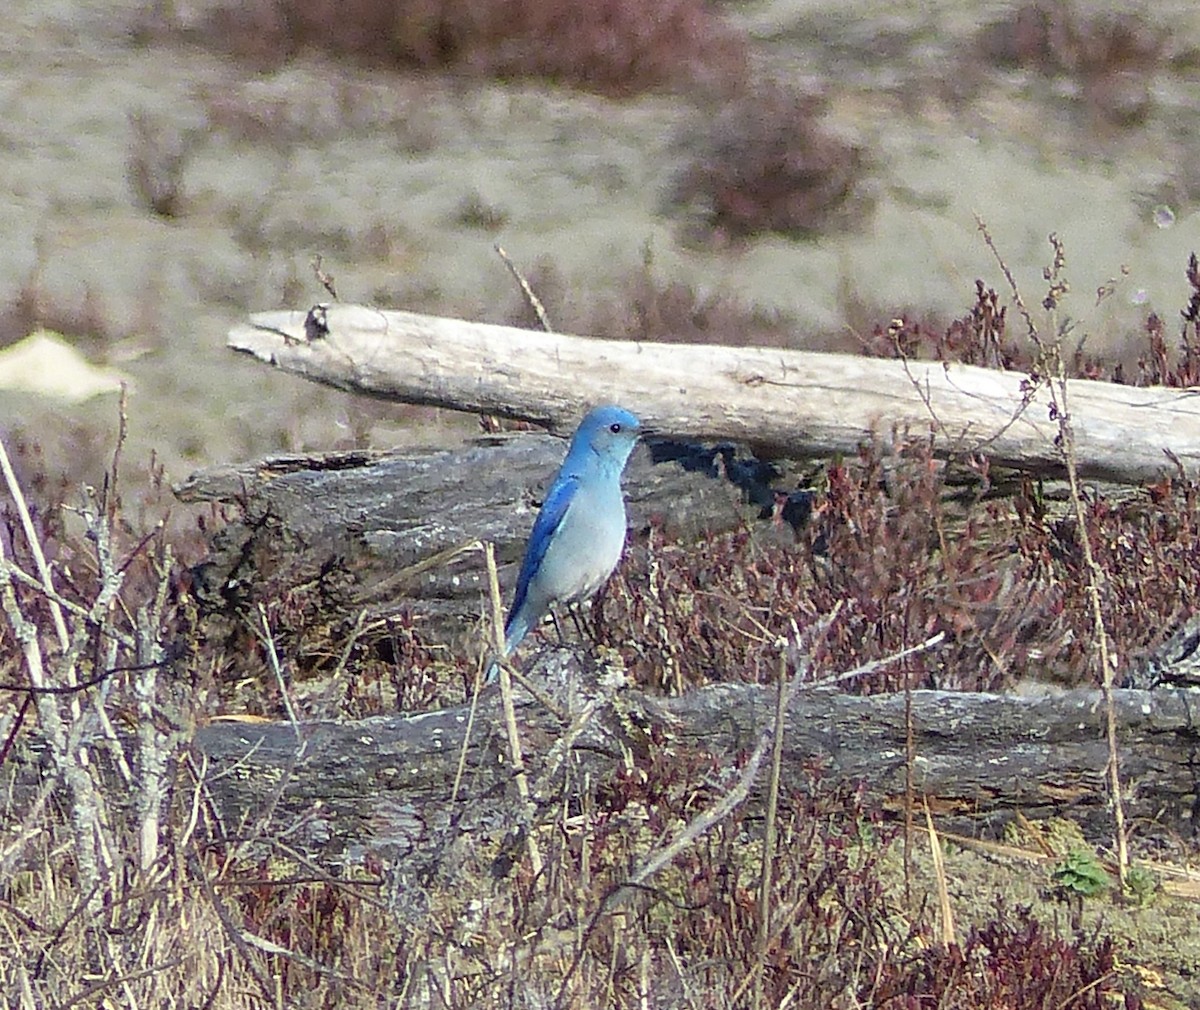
[587,546]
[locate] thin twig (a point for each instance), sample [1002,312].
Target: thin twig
[267,637]
[335,678]
[1094,577]
[476,688]
[112,498]
[939,874]
[769,833]
[325,279]
[35,548]
[535,303]
[540,696]
[876,664]
[388,586]
[82,685]
[910,760]
[510,715]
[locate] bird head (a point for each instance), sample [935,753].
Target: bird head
[608,433]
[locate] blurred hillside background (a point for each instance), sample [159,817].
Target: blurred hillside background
[787,172]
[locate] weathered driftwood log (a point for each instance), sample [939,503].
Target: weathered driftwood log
[786,403]
[355,523]
[385,783]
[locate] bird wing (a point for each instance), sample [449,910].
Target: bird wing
[554,508]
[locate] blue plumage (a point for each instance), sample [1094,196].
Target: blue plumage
[579,533]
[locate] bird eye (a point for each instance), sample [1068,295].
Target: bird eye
[615,427]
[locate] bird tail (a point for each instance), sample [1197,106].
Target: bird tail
[516,629]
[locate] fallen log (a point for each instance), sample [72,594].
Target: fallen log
[361,526]
[778,402]
[338,790]
[339,793]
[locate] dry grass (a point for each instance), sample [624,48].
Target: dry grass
[649,307]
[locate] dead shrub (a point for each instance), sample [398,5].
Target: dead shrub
[159,153]
[1112,56]
[765,162]
[613,47]
[1012,961]
[980,337]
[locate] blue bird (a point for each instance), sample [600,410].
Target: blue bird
[579,533]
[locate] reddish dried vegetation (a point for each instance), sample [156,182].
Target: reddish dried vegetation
[614,47]
[1111,55]
[1013,961]
[981,337]
[908,556]
[1057,38]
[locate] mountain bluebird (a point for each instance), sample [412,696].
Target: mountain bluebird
[579,533]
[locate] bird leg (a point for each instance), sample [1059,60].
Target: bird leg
[562,639]
[581,628]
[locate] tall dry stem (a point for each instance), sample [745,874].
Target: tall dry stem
[1053,372]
